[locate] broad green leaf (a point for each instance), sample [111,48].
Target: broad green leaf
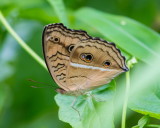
[147,104]
[46,16]
[133,37]
[59,8]
[93,114]
[144,96]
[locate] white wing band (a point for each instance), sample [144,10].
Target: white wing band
[90,67]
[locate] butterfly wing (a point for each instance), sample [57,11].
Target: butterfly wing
[58,43]
[93,63]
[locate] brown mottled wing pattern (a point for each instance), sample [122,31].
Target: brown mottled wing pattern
[85,75]
[58,43]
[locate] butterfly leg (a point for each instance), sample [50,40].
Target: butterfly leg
[72,105]
[60,90]
[97,99]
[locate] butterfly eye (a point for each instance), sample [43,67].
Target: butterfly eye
[54,39]
[107,63]
[86,57]
[70,48]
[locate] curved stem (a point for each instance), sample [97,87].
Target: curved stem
[21,42]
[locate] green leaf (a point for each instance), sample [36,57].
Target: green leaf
[93,114]
[46,16]
[133,37]
[59,8]
[147,104]
[143,121]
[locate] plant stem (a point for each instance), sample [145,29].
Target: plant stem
[153,126]
[21,42]
[124,112]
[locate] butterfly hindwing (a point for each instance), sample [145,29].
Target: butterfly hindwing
[93,63]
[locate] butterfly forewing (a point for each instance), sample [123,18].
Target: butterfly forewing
[58,43]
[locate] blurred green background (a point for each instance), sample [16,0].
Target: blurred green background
[22,106]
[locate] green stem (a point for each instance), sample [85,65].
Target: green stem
[124,112]
[21,42]
[153,126]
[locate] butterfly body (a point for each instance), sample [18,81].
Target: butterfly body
[78,62]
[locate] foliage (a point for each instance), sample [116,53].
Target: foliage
[88,110]
[142,122]
[22,106]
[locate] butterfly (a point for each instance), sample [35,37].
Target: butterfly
[78,62]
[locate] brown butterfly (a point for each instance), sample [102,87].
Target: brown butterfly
[78,62]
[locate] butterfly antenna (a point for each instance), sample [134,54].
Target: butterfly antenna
[47,85]
[38,82]
[41,87]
